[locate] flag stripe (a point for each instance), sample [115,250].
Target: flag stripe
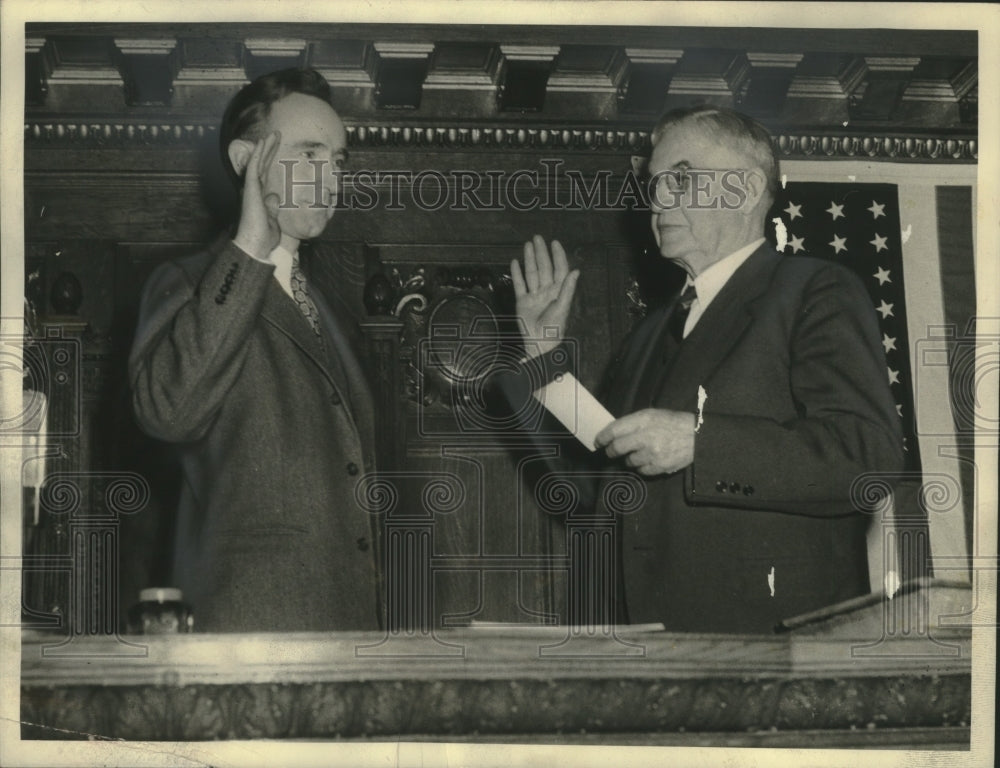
[958,284]
[935,426]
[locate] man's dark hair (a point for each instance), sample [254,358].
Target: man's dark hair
[751,138]
[244,117]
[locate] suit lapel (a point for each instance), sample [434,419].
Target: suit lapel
[339,362]
[335,317]
[281,311]
[337,331]
[633,366]
[719,329]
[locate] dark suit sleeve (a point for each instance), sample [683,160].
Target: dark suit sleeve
[510,392]
[512,388]
[191,340]
[846,425]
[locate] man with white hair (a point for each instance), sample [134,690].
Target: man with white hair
[749,403]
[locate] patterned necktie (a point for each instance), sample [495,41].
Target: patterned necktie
[300,293]
[679,315]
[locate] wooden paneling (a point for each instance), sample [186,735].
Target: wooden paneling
[497,557]
[151,208]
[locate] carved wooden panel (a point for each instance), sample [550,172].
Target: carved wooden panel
[495,556]
[521,706]
[338,686]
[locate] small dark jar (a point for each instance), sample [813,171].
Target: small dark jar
[160,611]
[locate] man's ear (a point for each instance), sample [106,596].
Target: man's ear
[239,152]
[756,188]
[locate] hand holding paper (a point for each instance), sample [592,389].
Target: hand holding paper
[654,441]
[577,410]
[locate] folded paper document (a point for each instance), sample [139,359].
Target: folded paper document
[577,410]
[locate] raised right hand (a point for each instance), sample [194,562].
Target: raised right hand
[258,232]
[543,294]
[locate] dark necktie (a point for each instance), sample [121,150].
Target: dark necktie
[300,293]
[679,315]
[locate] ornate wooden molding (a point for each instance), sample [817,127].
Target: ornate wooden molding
[920,149]
[525,706]
[497,137]
[275,47]
[589,74]
[699,76]
[141,47]
[622,73]
[113,134]
[817,145]
[345,63]
[654,55]
[477,70]
[539,53]
[340,685]
[398,50]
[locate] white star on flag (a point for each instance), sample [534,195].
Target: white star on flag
[839,244]
[885,309]
[837,211]
[879,243]
[877,209]
[888,342]
[794,211]
[882,276]
[796,243]
[893,376]
[899,410]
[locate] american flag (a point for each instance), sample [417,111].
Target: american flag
[857,225]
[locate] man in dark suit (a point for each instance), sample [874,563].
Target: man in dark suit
[749,404]
[255,378]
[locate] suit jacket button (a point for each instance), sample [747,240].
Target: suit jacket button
[352,468]
[335,398]
[362,544]
[748,490]
[721,487]
[734,487]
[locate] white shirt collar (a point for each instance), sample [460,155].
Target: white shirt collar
[710,281]
[283,259]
